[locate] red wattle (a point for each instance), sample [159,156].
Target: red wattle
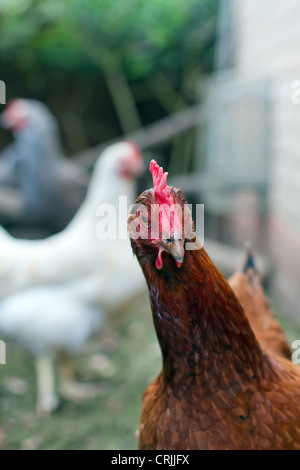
[159,261]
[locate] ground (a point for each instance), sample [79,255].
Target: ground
[122,361]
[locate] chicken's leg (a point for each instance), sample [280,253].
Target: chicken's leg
[46,400]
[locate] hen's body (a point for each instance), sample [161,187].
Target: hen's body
[217,388]
[267,330]
[55,293]
[83,247]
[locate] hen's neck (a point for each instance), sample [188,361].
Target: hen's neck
[202,329]
[106,188]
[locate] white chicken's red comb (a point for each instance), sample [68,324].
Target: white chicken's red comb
[136,149]
[161,189]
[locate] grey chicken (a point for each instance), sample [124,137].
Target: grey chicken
[51,187]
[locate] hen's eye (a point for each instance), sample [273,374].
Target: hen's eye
[144,220]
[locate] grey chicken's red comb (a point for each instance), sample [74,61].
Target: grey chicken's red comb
[161,189]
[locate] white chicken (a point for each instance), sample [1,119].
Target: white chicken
[56,292]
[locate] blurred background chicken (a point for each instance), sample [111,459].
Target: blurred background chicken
[73,252]
[246,284]
[51,188]
[56,292]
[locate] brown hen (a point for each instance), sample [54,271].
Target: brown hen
[246,285]
[217,388]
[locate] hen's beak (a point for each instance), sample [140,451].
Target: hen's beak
[175,248]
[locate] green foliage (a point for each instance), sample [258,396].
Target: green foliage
[139,34]
[140,59]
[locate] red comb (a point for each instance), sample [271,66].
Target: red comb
[136,149]
[11,103]
[160,183]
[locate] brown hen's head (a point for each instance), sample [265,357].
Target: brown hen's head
[160,223]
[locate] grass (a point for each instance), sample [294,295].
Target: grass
[123,360]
